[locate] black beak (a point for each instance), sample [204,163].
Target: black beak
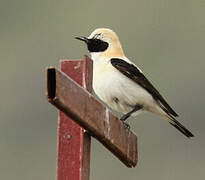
[85,39]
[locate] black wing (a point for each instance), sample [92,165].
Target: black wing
[134,73]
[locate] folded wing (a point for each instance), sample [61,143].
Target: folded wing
[137,76]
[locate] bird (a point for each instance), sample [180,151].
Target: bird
[120,84]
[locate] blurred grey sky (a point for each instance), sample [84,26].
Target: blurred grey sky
[166,39]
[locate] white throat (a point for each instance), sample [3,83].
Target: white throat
[95,55]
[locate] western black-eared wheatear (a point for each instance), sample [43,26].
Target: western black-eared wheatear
[121,84]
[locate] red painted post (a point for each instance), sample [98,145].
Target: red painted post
[73,143]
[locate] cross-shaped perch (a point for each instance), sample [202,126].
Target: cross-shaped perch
[70,91]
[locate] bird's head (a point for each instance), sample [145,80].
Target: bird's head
[103,42]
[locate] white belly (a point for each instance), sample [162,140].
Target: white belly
[109,84]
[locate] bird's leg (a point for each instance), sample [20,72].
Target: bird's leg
[125,116]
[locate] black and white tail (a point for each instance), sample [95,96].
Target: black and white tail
[180,127]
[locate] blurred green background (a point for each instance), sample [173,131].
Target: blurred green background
[166,39]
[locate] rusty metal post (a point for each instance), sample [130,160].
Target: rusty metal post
[88,112]
[83,108]
[73,143]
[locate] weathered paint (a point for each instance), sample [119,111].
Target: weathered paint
[92,115]
[73,143]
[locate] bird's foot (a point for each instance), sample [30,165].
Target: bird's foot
[127,126]
[123,118]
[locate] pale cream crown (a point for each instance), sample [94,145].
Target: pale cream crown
[114,49]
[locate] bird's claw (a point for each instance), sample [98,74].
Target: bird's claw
[127,126]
